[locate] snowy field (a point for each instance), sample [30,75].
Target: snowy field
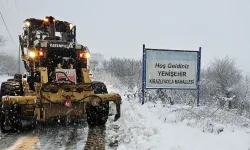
[151,127]
[154,127]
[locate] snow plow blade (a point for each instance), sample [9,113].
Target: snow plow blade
[32,101]
[22,100]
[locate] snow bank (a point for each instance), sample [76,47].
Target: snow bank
[208,119]
[153,127]
[133,130]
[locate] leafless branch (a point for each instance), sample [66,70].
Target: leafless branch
[2,41]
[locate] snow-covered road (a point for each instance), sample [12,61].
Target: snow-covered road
[47,137]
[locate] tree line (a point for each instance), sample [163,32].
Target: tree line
[222,84]
[8,63]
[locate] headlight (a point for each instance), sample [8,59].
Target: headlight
[87,55]
[27,23]
[83,55]
[46,20]
[32,54]
[71,26]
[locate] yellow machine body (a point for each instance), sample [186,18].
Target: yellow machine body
[48,99]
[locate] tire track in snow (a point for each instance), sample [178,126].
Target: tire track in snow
[46,137]
[77,137]
[96,138]
[25,143]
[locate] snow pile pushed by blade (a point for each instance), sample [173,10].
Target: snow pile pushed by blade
[133,130]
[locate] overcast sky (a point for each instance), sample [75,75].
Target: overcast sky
[119,28]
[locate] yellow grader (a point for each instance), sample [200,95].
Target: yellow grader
[57,83]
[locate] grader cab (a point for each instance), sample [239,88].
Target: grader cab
[57,83]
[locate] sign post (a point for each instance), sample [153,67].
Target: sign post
[143,74]
[170,69]
[198,78]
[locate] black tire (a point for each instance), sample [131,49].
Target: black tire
[1,92]
[10,79]
[11,114]
[18,77]
[98,115]
[11,88]
[11,118]
[99,87]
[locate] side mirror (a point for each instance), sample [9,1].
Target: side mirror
[25,32]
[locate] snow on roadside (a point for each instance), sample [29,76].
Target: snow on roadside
[141,127]
[133,131]
[191,129]
[218,120]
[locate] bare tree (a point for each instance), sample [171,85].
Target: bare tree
[225,73]
[8,64]
[125,69]
[245,95]
[222,81]
[2,41]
